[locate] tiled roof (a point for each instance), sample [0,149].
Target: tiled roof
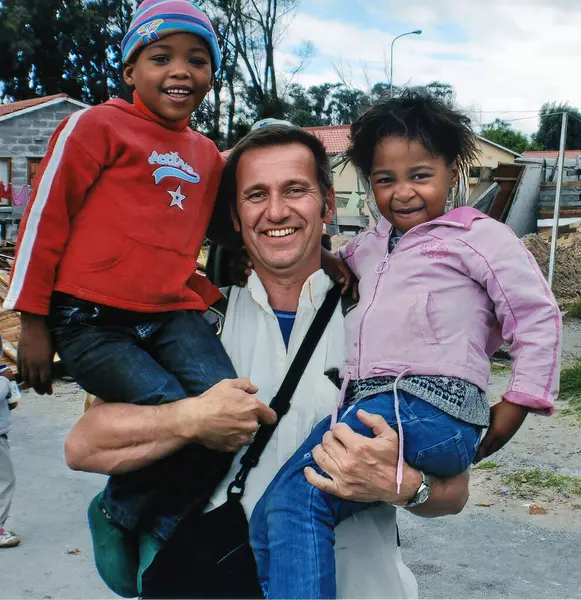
[551,153]
[12,107]
[335,138]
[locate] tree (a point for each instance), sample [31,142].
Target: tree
[500,132]
[256,27]
[54,46]
[549,134]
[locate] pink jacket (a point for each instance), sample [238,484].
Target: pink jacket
[442,302]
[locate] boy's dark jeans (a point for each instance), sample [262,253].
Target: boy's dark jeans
[147,359]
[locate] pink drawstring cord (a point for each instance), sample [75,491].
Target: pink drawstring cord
[344,385]
[399,474]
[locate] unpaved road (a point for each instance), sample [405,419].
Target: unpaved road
[495,551]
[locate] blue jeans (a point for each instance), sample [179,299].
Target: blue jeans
[146,359]
[292,526]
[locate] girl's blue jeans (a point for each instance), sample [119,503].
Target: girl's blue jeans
[292,526]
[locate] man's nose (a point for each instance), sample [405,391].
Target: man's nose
[277,209]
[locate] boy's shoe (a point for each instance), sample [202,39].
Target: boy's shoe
[8,539]
[115,549]
[149,546]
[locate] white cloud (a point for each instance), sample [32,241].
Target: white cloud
[520,53]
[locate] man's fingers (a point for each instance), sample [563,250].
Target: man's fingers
[376,423]
[244,384]
[318,481]
[265,414]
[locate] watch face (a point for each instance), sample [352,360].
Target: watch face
[423,495]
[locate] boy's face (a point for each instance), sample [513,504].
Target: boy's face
[172,76]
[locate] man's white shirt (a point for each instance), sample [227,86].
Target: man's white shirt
[369,564]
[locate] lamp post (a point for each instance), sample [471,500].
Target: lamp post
[415,32]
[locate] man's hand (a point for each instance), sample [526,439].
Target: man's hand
[226,417]
[339,272]
[35,353]
[505,420]
[363,469]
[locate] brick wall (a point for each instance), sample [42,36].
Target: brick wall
[27,136]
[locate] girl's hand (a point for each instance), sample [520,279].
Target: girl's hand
[339,272]
[240,267]
[505,420]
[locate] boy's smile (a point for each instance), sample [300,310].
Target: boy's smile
[172,76]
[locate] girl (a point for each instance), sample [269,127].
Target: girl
[438,295]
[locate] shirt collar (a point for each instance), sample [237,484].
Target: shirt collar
[175,125]
[312,295]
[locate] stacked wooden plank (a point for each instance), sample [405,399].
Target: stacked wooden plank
[9,325]
[570,205]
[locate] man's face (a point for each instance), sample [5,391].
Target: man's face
[279,206]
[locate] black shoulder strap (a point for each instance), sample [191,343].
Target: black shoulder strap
[281,401]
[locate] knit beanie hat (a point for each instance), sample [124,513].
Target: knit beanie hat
[155,19]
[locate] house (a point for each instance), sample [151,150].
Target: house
[353,212]
[25,130]
[551,154]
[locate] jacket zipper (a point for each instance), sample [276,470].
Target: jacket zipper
[385,262]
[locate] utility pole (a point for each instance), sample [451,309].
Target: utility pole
[560,169]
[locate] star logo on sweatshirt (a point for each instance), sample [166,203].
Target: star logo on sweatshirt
[177,197]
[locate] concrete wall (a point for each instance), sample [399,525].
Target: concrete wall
[490,156]
[27,136]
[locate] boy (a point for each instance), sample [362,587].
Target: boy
[106,266]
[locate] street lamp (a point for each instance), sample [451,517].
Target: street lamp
[415,32]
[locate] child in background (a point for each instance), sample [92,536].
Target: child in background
[106,264]
[438,295]
[8,539]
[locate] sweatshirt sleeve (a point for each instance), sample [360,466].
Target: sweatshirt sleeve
[526,310]
[66,173]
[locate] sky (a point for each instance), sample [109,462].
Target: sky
[500,55]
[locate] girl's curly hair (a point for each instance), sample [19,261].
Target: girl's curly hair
[441,130]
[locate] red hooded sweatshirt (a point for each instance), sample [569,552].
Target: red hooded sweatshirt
[118,215]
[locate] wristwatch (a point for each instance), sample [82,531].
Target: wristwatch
[422,494]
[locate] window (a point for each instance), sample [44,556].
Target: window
[474,172]
[5,170]
[33,164]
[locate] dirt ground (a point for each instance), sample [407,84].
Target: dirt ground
[493,549]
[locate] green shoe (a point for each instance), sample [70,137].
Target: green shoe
[149,546]
[115,550]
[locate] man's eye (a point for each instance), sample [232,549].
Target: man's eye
[295,191]
[256,196]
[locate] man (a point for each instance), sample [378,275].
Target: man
[280,179]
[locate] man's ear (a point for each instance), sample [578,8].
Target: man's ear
[128,70]
[329,208]
[235,220]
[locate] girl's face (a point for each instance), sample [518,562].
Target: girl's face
[410,185]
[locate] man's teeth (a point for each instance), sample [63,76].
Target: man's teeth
[279,232]
[178,92]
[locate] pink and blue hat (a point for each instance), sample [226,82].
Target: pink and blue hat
[155,19]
